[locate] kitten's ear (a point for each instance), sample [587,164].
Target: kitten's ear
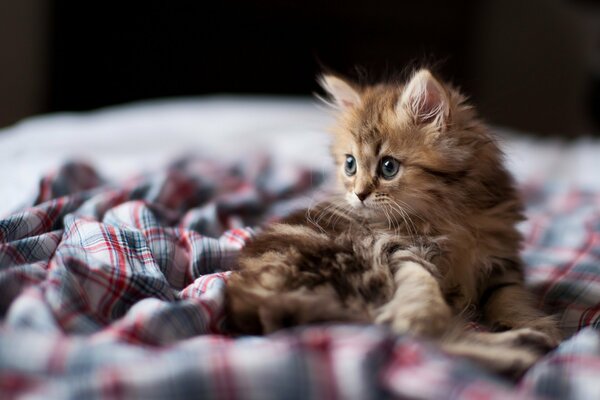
[342,94]
[425,99]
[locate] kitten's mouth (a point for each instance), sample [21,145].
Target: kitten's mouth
[368,209]
[364,209]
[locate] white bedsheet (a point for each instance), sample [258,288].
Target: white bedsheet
[128,139]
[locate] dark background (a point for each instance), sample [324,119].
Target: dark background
[532,65]
[261,46]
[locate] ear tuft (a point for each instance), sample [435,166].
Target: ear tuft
[343,95]
[426,100]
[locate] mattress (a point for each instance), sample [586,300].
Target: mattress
[144,136]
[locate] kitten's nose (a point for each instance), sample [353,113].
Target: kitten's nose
[362,195]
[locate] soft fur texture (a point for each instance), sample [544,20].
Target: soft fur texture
[421,251]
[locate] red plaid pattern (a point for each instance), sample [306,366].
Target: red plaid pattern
[117,291]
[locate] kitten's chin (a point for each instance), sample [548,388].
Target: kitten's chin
[362,209]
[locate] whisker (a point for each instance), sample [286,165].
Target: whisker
[336,210]
[323,212]
[387,217]
[406,206]
[408,223]
[397,225]
[405,214]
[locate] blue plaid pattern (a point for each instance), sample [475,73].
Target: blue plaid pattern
[117,291]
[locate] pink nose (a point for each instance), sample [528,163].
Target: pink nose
[362,196]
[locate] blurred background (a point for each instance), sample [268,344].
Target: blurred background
[532,65]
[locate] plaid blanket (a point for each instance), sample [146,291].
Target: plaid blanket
[116,291]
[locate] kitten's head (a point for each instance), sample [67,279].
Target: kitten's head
[413,148]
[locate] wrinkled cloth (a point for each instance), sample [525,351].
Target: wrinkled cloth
[116,290]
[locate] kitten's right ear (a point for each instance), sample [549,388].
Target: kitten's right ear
[425,99]
[343,96]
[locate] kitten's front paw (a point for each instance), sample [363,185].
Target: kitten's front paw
[526,337]
[549,328]
[541,333]
[426,320]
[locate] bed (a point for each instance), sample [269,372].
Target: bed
[118,229]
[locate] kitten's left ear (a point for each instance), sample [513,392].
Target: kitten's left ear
[425,100]
[343,94]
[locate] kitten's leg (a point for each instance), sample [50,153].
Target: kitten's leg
[508,353]
[511,306]
[417,305]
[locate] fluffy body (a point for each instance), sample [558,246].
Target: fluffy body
[421,250]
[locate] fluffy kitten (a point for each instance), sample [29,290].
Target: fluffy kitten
[424,232]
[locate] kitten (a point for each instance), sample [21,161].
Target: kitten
[423,235]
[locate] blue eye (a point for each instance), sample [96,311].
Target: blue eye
[350,165]
[388,167]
